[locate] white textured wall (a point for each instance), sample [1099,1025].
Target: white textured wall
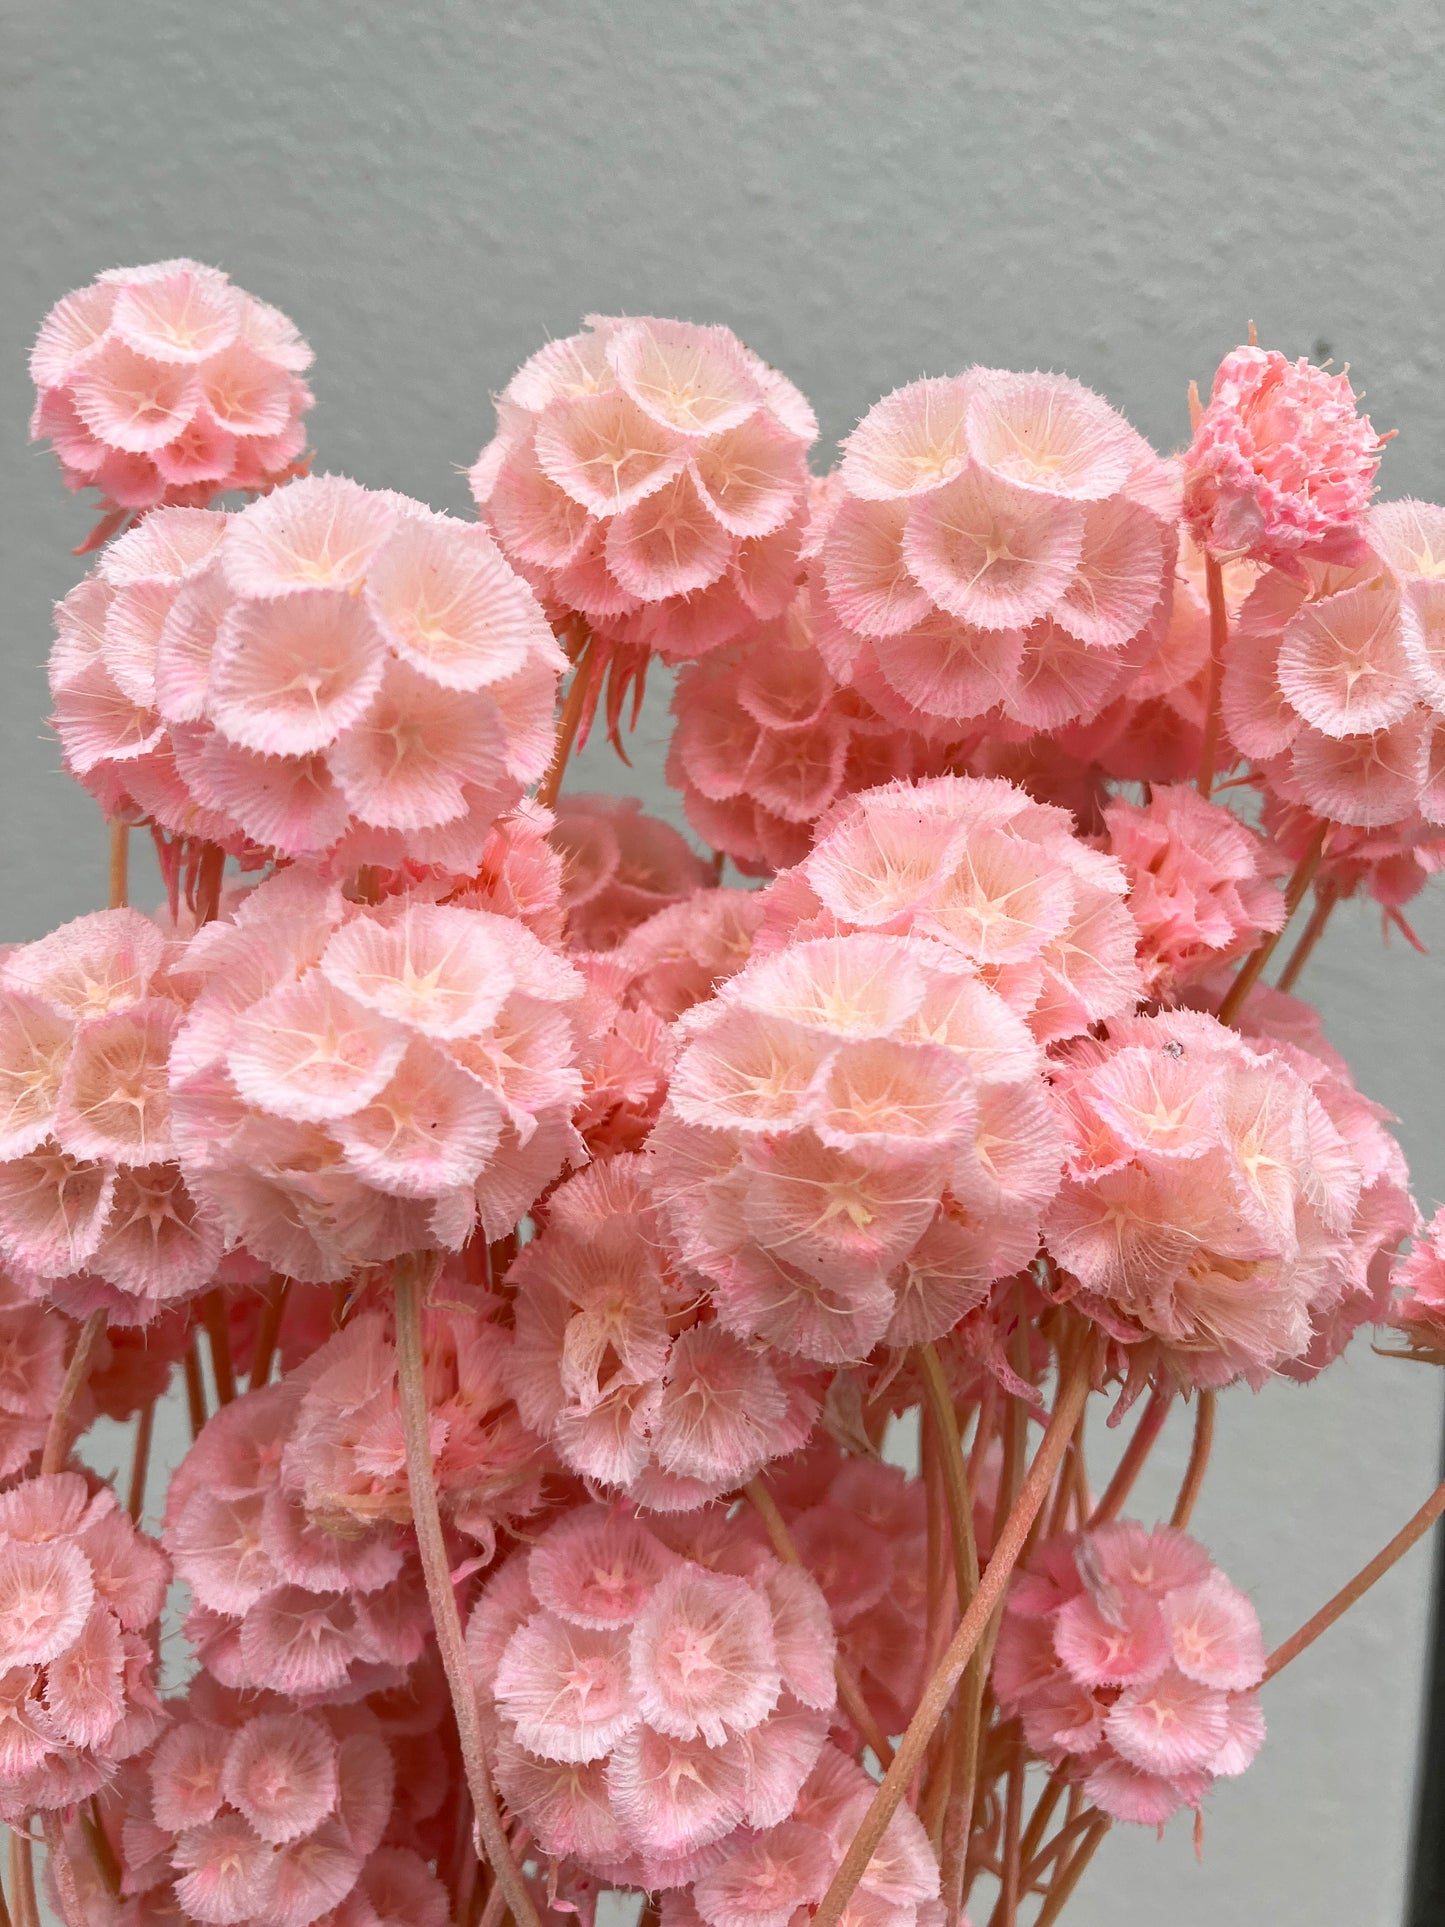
[868,192]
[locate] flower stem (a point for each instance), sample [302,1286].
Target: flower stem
[195,1388]
[57,1439]
[1141,1444]
[426,1517]
[213,1311]
[1218,642]
[269,1333]
[1073,1391]
[573,710]
[140,1462]
[1198,1463]
[1336,1608]
[22,1878]
[119,864]
[1248,973]
[1068,1878]
[849,1691]
[1325,901]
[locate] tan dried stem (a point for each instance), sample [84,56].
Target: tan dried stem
[1249,971]
[140,1461]
[1073,1391]
[412,1276]
[218,1332]
[1141,1444]
[57,1438]
[573,710]
[1198,1463]
[1325,900]
[849,1691]
[270,1332]
[1218,643]
[119,864]
[1068,1878]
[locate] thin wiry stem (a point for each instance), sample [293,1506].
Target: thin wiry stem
[270,1332]
[1325,901]
[195,1388]
[57,1439]
[1198,1463]
[1249,971]
[217,1322]
[1073,1391]
[1068,1878]
[849,1691]
[426,1518]
[119,864]
[1408,1535]
[1141,1444]
[573,710]
[140,1461]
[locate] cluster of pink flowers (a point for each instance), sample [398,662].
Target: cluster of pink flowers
[616,1365]
[1132,1661]
[651,477]
[1335,683]
[334,666]
[168,384]
[80,1593]
[1233,1201]
[549,1233]
[90,1190]
[351,1084]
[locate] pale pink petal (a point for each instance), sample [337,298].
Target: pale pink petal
[692,380]
[1050,433]
[449,605]
[309,1053]
[752,477]
[132,403]
[1342,662]
[606,453]
[991,553]
[407,764]
[319,532]
[566,1687]
[430,1129]
[280,1772]
[70,333]
[114,1100]
[46,1594]
[911,442]
[183,316]
[702,1656]
[290,674]
[669,544]
[245,392]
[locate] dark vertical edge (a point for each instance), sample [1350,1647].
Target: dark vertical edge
[1425,1896]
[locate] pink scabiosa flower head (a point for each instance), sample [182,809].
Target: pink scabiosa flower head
[1203,886]
[353,1083]
[857,1140]
[770,735]
[1418,1307]
[252,1810]
[167,384]
[33,1345]
[90,1192]
[616,1362]
[1282,460]
[80,1597]
[1132,1663]
[314,1601]
[996,545]
[976,865]
[1228,1200]
[650,477]
[650,1707]
[619,867]
[334,671]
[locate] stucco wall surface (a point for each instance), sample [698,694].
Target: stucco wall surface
[867,192]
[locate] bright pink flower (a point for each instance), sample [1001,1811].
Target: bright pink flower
[334,670]
[1140,1680]
[1281,460]
[355,1083]
[619,867]
[651,476]
[649,1706]
[80,1594]
[166,384]
[1226,1197]
[614,1365]
[1202,885]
